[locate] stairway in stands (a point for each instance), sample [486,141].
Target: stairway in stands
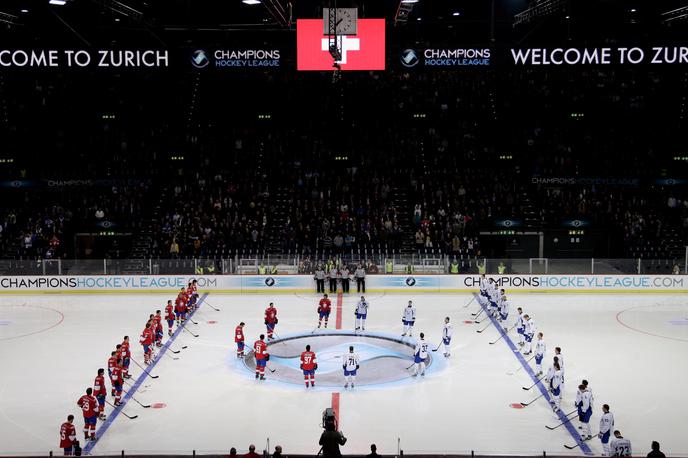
[404,206]
[277,220]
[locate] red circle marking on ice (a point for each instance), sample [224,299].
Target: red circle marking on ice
[212,322]
[468,321]
[516,405]
[158,405]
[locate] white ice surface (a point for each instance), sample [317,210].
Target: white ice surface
[639,367]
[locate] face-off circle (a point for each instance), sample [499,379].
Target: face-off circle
[383,358]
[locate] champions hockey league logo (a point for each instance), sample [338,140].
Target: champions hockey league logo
[410,281]
[269,281]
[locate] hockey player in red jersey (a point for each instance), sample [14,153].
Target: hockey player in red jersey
[100,392]
[308,366]
[117,381]
[190,297]
[260,350]
[89,407]
[146,340]
[270,319]
[180,307]
[125,356]
[157,328]
[169,317]
[68,436]
[112,362]
[239,339]
[324,309]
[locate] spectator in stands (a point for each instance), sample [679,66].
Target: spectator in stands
[232,452]
[676,270]
[373,452]
[655,453]
[278,452]
[252,452]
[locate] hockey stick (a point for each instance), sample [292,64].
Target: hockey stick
[469,302]
[208,304]
[184,328]
[438,347]
[521,367]
[279,338]
[481,330]
[571,447]
[144,369]
[410,366]
[563,422]
[524,404]
[194,322]
[502,336]
[538,381]
[173,351]
[184,347]
[121,411]
[145,406]
[170,356]
[482,309]
[270,368]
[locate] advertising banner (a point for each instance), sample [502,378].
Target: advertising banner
[279,284]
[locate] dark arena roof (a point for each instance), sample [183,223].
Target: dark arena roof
[492,116]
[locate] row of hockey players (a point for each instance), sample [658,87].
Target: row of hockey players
[324,309]
[494,300]
[92,403]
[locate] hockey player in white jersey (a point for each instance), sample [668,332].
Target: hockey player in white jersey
[606,428]
[361,313]
[420,354]
[493,296]
[540,350]
[584,406]
[529,333]
[556,385]
[504,306]
[520,327]
[483,288]
[620,446]
[447,332]
[350,365]
[409,318]
[560,357]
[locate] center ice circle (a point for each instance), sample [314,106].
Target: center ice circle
[383,358]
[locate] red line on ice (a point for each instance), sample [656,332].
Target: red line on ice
[340,300]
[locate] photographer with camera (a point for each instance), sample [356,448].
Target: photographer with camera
[331,439]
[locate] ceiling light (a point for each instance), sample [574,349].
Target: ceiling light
[633,10]
[418,19]
[57,2]
[251,2]
[456,13]
[409,1]
[24,10]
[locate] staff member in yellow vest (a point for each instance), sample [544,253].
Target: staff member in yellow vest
[389,267]
[454,267]
[482,268]
[261,269]
[501,268]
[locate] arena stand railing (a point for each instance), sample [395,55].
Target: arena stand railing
[374,264]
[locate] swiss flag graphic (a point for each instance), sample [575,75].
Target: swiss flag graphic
[365,51]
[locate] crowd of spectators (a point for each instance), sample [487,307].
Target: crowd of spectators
[432,159]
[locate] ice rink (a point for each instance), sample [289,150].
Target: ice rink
[632,348]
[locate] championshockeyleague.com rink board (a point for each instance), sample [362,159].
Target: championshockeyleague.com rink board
[630,347]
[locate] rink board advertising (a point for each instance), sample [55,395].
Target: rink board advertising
[374,283]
